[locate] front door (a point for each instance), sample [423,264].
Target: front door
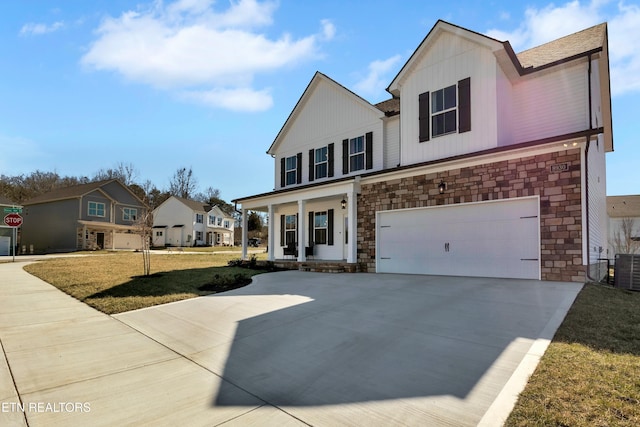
[100,240]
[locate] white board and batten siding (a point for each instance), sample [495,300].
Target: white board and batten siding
[329,114]
[483,239]
[449,59]
[555,103]
[392,142]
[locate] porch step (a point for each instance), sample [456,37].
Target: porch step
[322,268]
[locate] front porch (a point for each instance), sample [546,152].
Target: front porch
[312,228]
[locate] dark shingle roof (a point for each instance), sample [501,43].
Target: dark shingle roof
[564,47]
[390,107]
[195,205]
[67,192]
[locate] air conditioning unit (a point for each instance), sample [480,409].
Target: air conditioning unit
[627,273]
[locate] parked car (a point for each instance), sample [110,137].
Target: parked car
[255,242]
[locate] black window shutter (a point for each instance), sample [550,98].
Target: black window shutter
[330,227]
[330,160]
[345,156]
[281,230]
[311,164]
[464,105]
[423,116]
[297,231]
[282,172]
[310,228]
[368,150]
[299,168]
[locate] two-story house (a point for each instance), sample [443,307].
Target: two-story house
[483,163]
[97,215]
[183,222]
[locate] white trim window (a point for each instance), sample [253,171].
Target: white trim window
[356,153]
[129,214]
[321,164]
[212,220]
[320,227]
[199,218]
[444,111]
[96,209]
[227,223]
[291,170]
[290,229]
[199,235]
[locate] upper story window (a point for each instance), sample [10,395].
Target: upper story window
[129,214]
[227,223]
[321,162]
[96,209]
[357,153]
[219,221]
[291,167]
[290,170]
[444,117]
[199,218]
[445,111]
[212,220]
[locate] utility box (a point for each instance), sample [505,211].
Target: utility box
[627,273]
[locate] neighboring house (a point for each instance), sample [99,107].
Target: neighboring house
[483,163]
[6,232]
[97,215]
[624,222]
[183,222]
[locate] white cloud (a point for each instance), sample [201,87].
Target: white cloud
[377,78]
[189,47]
[551,22]
[38,29]
[240,99]
[328,29]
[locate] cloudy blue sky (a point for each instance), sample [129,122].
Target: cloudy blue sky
[85,85]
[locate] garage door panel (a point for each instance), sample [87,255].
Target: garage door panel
[493,239]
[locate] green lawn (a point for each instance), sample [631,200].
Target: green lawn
[590,374]
[111,282]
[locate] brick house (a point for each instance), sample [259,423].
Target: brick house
[482,163]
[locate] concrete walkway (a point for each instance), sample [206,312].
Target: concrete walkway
[291,349]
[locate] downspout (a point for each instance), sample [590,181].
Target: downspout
[586,178]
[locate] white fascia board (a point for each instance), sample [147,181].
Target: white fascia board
[319,192]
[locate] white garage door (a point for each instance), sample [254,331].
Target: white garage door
[127,241]
[485,239]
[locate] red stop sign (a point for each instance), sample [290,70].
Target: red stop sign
[13,220]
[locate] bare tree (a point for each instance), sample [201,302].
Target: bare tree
[624,238]
[124,172]
[144,227]
[183,184]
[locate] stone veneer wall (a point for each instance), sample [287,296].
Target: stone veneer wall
[560,204]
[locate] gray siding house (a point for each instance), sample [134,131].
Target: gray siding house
[97,215]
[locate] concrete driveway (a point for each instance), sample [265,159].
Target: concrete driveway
[290,349]
[367,349]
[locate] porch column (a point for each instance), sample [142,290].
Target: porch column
[352,247]
[302,257]
[271,238]
[245,224]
